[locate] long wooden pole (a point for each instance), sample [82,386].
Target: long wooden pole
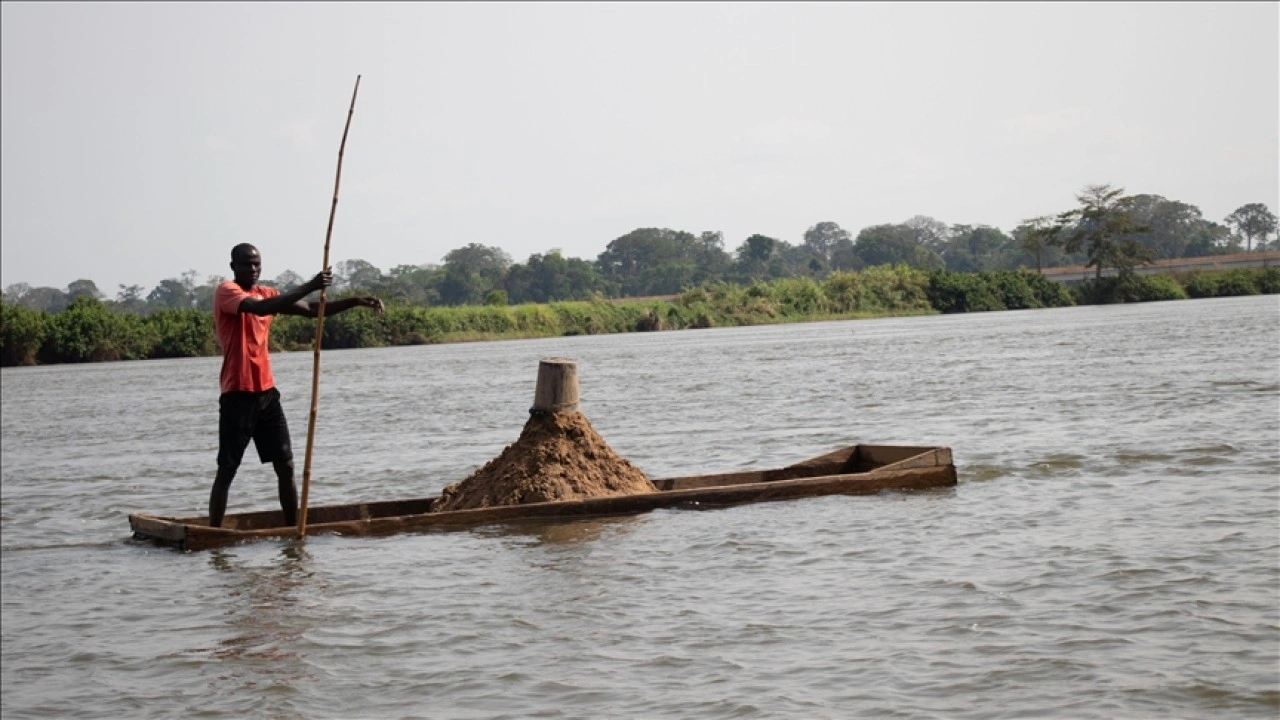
[315,367]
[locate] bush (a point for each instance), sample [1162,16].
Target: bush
[1199,284]
[406,326]
[581,318]
[87,331]
[895,288]
[697,308]
[181,333]
[650,321]
[1154,288]
[798,297]
[536,320]
[292,332]
[1012,289]
[1269,281]
[1224,283]
[1238,282]
[355,328]
[1048,292]
[843,292]
[486,320]
[1136,288]
[22,332]
[957,292]
[952,292]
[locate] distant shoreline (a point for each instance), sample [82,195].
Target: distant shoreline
[90,331]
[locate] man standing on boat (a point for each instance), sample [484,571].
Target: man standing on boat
[249,407]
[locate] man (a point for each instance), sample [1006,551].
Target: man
[249,407]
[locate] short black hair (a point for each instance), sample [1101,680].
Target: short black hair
[242,249]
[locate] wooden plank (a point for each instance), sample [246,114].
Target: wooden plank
[852,484]
[883,456]
[932,458]
[199,537]
[202,537]
[832,463]
[158,528]
[842,457]
[909,468]
[691,482]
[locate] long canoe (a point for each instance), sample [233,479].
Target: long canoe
[852,470]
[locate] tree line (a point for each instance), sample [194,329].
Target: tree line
[1106,229]
[89,330]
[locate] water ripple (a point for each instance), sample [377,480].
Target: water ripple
[1111,550]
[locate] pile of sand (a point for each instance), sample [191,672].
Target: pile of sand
[559,456]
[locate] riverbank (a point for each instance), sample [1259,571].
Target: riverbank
[90,331]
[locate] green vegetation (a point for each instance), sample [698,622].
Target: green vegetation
[1001,290]
[1251,221]
[1106,227]
[1106,230]
[89,330]
[1229,283]
[1129,289]
[21,335]
[916,267]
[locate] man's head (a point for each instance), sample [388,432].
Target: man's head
[246,263]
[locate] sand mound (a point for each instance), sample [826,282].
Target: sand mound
[559,456]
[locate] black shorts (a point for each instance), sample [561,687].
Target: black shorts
[252,415]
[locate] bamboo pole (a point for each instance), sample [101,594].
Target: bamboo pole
[315,366]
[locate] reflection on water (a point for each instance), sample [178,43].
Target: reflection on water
[263,624]
[560,532]
[1110,551]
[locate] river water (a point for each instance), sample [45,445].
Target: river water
[1112,549]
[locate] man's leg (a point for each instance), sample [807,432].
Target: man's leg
[288,491]
[275,447]
[233,437]
[218,497]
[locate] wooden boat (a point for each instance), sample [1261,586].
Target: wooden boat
[852,470]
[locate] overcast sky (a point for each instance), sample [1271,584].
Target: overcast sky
[144,140]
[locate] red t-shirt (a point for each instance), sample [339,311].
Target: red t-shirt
[246,361]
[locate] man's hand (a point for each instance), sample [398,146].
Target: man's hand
[320,281]
[311,309]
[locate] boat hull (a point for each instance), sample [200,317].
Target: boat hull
[854,470]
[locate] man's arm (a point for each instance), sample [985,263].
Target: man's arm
[333,307]
[288,303]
